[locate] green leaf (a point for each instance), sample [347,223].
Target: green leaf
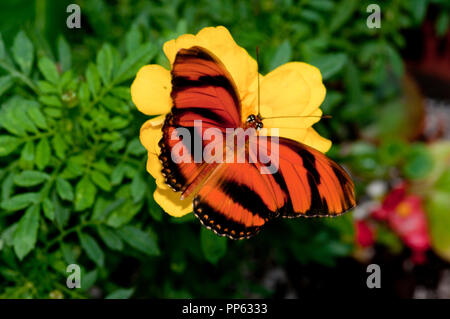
[37,117]
[27,153]
[122,214]
[6,83]
[101,181]
[25,234]
[134,61]
[62,214]
[20,201]
[43,153]
[133,39]
[330,64]
[88,280]
[442,23]
[7,186]
[49,209]
[22,51]
[110,238]
[22,118]
[139,240]
[60,146]
[50,100]
[121,294]
[93,79]
[92,249]
[68,253]
[64,55]
[105,63]
[213,246]
[282,55]
[64,189]
[2,48]
[30,178]
[8,144]
[419,162]
[48,70]
[118,174]
[438,208]
[84,194]
[135,147]
[138,188]
[418,9]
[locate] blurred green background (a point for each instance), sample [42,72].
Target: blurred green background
[74,188]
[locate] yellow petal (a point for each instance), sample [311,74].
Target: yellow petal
[293,89]
[150,90]
[171,203]
[313,139]
[218,40]
[151,133]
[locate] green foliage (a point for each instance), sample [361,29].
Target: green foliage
[73,184]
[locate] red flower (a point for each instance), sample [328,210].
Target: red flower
[364,234]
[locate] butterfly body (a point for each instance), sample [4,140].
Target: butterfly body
[249,183]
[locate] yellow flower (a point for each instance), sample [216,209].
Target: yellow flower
[293,89]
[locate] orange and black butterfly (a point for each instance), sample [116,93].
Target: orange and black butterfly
[236,199]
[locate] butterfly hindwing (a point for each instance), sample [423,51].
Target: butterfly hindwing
[235,201]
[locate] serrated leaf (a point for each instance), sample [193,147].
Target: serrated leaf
[30,178]
[8,144]
[64,189]
[110,238]
[22,51]
[84,194]
[139,240]
[48,70]
[25,234]
[101,181]
[42,153]
[213,246]
[92,249]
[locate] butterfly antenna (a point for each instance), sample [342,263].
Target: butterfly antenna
[257,72]
[295,116]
